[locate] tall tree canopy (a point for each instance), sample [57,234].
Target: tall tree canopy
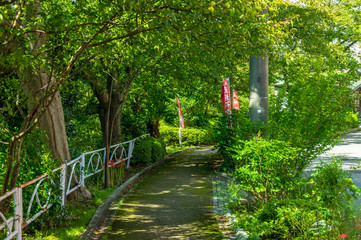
[46,44]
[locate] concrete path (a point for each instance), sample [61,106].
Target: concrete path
[349,150]
[174,202]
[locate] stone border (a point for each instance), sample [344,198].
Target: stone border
[223,215]
[354,130]
[104,212]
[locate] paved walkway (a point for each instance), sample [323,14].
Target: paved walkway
[173,202]
[349,150]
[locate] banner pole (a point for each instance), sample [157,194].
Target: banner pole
[181,122]
[180,137]
[230,92]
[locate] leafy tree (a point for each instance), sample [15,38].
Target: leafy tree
[46,43]
[313,70]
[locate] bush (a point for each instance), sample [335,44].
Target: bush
[285,219]
[148,150]
[158,149]
[298,219]
[291,208]
[352,120]
[333,186]
[190,136]
[228,135]
[266,168]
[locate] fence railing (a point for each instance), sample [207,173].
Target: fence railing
[56,186]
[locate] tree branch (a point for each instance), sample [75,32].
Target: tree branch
[3,3]
[169,7]
[124,36]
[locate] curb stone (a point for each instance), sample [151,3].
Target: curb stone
[354,130]
[107,208]
[223,215]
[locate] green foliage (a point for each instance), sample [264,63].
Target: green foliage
[333,186]
[190,136]
[158,149]
[148,150]
[36,157]
[142,152]
[352,120]
[310,106]
[82,122]
[319,206]
[229,131]
[66,224]
[266,168]
[299,219]
[288,219]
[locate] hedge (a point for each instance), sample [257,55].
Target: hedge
[148,150]
[190,136]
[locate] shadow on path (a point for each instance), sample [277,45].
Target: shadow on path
[174,202]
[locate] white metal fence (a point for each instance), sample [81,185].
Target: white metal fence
[56,185]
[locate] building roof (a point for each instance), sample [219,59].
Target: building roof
[356,85]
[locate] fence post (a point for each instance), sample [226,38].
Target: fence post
[82,169]
[18,212]
[130,152]
[63,183]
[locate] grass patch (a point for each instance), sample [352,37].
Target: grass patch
[172,149]
[69,223]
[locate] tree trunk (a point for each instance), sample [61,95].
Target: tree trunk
[115,97]
[37,83]
[115,114]
[52,121]
[153,128]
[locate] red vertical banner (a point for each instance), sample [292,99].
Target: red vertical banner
[226,97]
[235,101]
[181,122]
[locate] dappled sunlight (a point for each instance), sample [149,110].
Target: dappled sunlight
[349,150]
[160,193]
[173,203]
[143,205]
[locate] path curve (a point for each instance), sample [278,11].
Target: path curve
[174,202]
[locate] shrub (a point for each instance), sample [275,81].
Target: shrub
[319,207]
[285,219]
[148,150]
[299,219]
[158,149]
[190,136]
[229,131]
[352,120]
[333,186]
[266,168]
[142,152]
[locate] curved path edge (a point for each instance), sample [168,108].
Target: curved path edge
[223,215]
[103,214]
